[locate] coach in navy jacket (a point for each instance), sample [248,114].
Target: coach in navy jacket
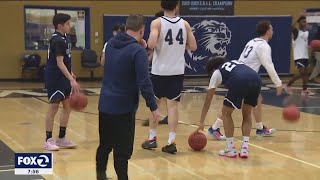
[125,74]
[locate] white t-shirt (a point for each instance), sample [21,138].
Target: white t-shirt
[300,45]
[257,52]
[215,80]
[104,47]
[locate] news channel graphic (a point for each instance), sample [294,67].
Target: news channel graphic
[33,163]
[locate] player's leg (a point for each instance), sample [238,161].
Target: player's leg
[305,78]
[262,130]
[54,97]
[49,120]
[123,146]
[62,141]
[106,136]
[173,94]
[214,130]
[232,100]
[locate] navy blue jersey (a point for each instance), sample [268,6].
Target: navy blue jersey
[59,45]
[233,73]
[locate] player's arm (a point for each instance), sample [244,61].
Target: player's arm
[215,81]
[60,51]
[154,33]
[191,40]
[264,55]
[295,30]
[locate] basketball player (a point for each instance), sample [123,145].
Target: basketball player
[59,81]
[116,28]
[243,84]
[300,55]
[125,74]
[257,52]
[169,37]
[164,120]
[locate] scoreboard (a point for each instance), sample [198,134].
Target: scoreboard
[221,7]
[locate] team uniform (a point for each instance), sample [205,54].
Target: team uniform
[257,52]
[300,48]
[57,84]
[168,62]
[242,82]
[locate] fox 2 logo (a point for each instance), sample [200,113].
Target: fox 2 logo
[33,160]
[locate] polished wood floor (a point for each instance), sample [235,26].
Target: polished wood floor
[291,154]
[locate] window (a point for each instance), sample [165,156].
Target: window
[39,28]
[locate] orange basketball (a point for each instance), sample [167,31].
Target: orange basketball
[315,45]
[197,141]
[78,101]
[291,113]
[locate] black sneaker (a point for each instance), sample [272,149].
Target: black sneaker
[101,175]
[164,120]
[171,148]
[150,144]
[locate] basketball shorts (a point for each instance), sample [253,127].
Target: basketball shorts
[246,92]
[301,63]
[169,87]
[57,85]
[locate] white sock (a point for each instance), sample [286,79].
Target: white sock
[152,134]
[245,142]
[259,125]
[217,124]
[172,137]
[230,142]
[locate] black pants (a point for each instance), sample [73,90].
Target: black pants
[116,133]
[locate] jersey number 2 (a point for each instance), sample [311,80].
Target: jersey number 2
[228,66]
[169,38]
[247,51]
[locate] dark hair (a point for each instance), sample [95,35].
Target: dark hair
[60,18]
[214,63]
[263,27]
[159,14]
[169,5]
[301,18]
[119,27]
[135,22]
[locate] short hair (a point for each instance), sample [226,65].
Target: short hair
[169,5]
[159,14]
[263,27]
[135,22]
[301,18]
[119,27]
[214,63]
[60,18]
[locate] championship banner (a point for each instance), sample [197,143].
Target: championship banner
[313,20]
[224,36]
[221,7]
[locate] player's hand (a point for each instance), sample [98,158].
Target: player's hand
[279,90]
[156,115]
[200,127]
[75,86]
[143,43]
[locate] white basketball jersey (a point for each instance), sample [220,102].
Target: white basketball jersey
[249,56]
[168,55]
[300,46]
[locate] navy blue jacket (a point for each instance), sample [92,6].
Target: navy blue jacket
[125,74]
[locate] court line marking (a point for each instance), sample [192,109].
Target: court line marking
[184,169]
[142,169]
[6,166]
[266,149]
[6,170]
[12,140]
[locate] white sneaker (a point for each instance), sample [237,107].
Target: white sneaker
[65,143]
[244,152]
[307,93]
[231,153]
[49,145]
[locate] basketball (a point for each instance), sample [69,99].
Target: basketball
[291,113]
[315,45]
[78,101]
[197,141]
